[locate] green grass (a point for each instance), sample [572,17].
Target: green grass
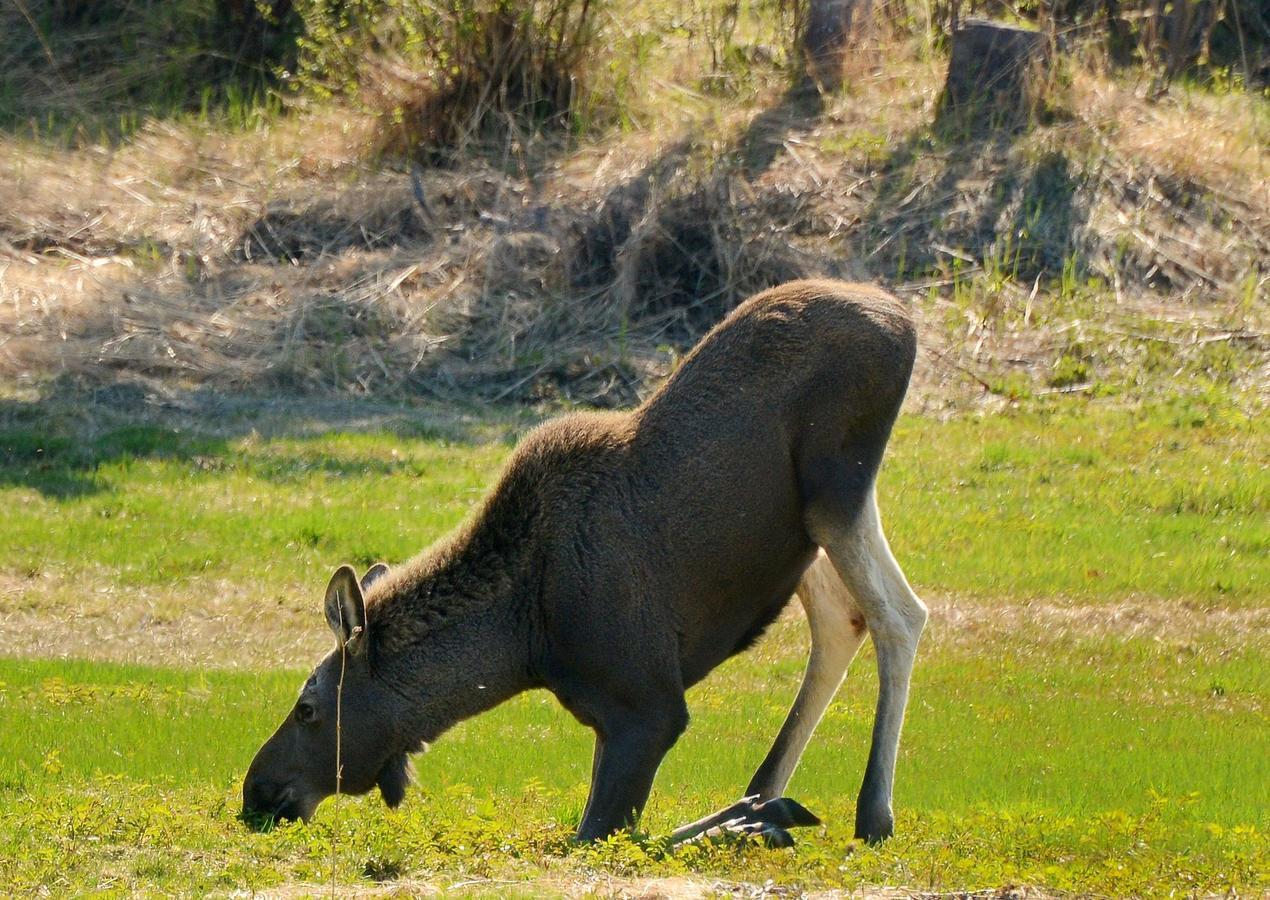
[154,506]
[1168,501]
[1065,730]
[1108,766]
[1171,501]
[1082,759]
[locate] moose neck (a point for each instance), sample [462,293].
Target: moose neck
[454,674]
[450,628]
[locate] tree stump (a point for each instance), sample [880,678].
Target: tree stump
[995,73]
[832,27]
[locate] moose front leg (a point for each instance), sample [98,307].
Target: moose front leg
[628,750]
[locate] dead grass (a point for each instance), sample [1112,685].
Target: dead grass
[288,259]
[1215,139]
[48,617]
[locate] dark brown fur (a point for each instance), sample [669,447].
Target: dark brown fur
[622,556]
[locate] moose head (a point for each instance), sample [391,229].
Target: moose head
[342,735]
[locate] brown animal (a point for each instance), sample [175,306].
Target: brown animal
[622,556]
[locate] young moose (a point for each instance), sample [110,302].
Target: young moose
[623,556]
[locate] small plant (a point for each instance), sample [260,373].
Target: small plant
[452,72]
[1070,370]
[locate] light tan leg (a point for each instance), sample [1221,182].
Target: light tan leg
[837,631]
[895,618]
[854,588]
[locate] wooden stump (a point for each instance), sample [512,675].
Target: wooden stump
[832,27]
[995,73]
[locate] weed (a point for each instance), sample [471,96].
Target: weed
[1070,370]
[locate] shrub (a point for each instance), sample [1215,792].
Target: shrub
[89,69]
[452,71]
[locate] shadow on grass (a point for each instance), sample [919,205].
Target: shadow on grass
[758,146]
[679,247]
[80,71]
[710,247]
[57,443]
[954,190]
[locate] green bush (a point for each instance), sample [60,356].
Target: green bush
[453,71]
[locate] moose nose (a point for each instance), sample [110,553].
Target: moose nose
[267,801]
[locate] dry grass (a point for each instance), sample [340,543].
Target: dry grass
[288,258]
[1215,139]
[51,618]
[1187,179]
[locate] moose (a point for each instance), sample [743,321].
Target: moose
[624,555]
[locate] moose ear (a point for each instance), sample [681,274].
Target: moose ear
[346,609]
[373,574]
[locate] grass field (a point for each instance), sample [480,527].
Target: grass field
[1108,765]
[1166,500]
[1089,710]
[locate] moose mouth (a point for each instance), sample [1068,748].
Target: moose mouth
[267,802]
[261,812]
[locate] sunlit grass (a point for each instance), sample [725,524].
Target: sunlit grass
[1169,502]
[1166,502]
[1018,763]
[1079,759]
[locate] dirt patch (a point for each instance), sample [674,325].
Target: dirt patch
[1136,619]
[227,625]
[209,623]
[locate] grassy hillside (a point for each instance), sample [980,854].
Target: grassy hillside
[1114,247]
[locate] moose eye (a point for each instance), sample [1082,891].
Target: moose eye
[305,714]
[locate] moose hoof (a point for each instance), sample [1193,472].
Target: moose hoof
[749,819]
[740,831]
[873,829]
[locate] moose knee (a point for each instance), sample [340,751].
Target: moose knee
[670,725]
[898,625]
[654,723]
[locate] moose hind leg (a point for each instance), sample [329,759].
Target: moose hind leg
[895,616]
[837,630]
